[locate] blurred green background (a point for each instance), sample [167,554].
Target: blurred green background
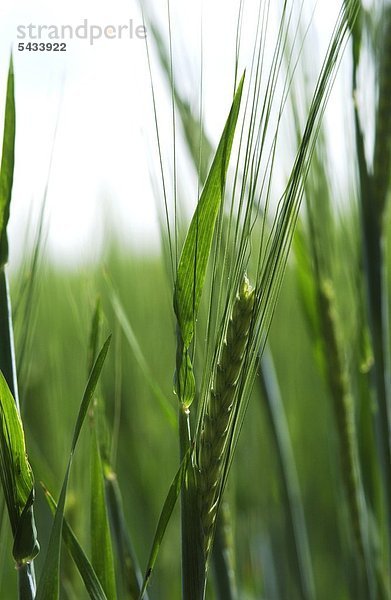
[328,342]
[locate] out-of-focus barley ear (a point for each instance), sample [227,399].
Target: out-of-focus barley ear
[217,416]
[223,555]
[345,422]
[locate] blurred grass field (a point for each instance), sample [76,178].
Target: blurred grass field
[53,382]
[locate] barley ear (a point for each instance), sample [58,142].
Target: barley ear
[216,420]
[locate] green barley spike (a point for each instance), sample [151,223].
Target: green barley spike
[344,415]
[216,420]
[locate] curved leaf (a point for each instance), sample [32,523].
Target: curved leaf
[49,584]
[84,566]
[195,254]
[194,258]
[16,477]
[101,546]
[164,518]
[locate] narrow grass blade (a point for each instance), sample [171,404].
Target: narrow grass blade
[297,541]
[7,165]
[128,565]
[101,548]
[164,518]
[95,333]
[7,353]
[89,391]
[130,336]
[49,584]
[84,566]
[196,250]
[106,506]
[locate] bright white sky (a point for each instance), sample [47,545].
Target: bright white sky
[100,98]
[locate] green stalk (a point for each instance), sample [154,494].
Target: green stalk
[373,193]
[373,249]
[4,535]
[193,569]
[27,586]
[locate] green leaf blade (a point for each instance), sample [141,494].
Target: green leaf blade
[101,547]
[195,254]
[164,518]
[128,564]
[84,566]
[196,249]
[130,336]
[7,164]
[90,389]
[49,583]
[13,449]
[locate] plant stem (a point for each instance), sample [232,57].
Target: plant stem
[373,206]
[7,348]
[193,568]
[26,582]
[378,319]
